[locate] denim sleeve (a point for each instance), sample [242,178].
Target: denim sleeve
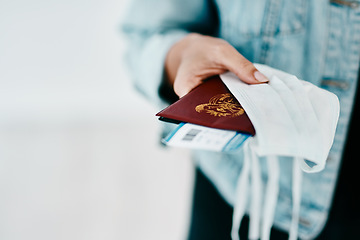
[151,27]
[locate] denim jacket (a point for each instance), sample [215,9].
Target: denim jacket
[316,40]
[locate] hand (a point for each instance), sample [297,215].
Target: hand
[197,57]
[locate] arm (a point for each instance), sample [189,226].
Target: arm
[163,40]
[152,28]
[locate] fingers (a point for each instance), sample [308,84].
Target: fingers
[185,88]
[185,81]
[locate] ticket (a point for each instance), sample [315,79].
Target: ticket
[188,135]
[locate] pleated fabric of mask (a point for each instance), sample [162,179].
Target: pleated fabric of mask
[292,118]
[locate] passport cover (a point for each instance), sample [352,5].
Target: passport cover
[212,105]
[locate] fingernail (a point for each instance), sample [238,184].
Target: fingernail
[260,77]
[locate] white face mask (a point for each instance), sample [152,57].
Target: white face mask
[292,118]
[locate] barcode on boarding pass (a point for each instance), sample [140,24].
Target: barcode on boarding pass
[191,135]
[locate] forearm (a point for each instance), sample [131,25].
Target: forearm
[151,37]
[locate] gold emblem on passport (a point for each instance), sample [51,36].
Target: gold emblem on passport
[221,105]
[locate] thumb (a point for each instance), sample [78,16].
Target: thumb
[243,68]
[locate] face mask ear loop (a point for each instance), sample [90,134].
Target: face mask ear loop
[241,193]
[271,195]
[296,196]
[256,197]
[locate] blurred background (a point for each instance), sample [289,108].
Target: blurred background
[79,152]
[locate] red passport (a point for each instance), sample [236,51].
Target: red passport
[212,105]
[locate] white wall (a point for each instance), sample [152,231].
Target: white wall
[79,157]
